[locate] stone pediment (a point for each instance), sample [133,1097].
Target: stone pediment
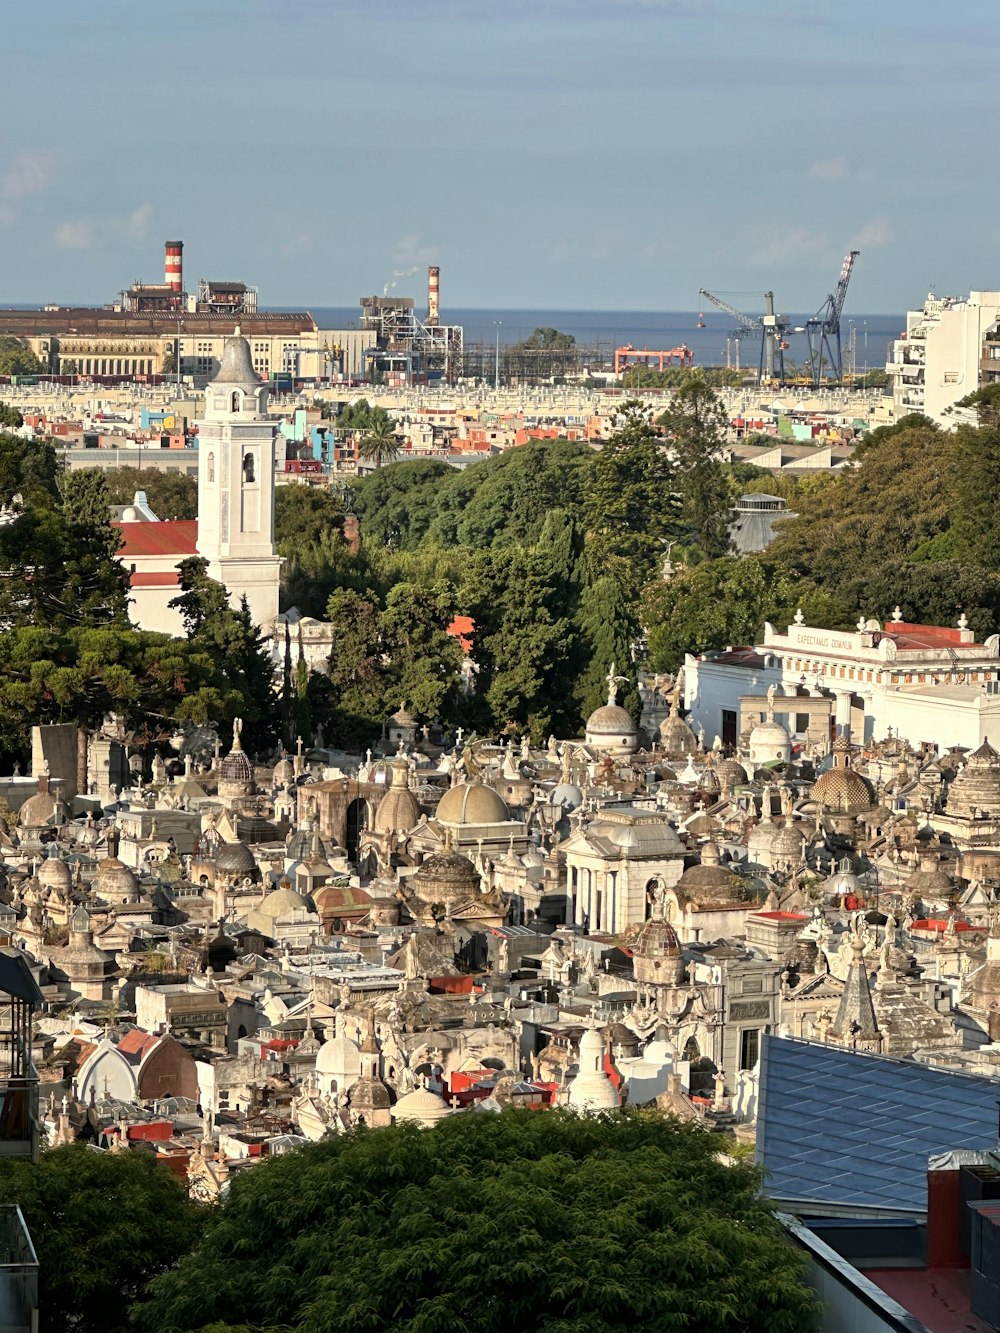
[824,987]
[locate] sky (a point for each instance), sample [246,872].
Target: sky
[548,154]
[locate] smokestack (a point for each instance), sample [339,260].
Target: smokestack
[172,270]
[433,309]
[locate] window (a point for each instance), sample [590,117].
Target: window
[749,1047]
[234,401]
[211,467]
[248,468]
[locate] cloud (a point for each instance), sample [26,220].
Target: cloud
[833,169]
[409,251]
[873,234]
[74,235]
[137,222]
[28,174]
[796,243]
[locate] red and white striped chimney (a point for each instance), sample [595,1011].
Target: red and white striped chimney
[433,308]
[173,276]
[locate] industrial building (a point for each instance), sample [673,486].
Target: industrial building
[157,328]
[404,349]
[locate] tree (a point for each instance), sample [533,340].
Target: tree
[726,601]
[17,358]
[492,1223]
[380,443]
[695,425]
[629,500]
[229,635]
[103,1224]
[59,557]
[609,628]
[10,416]
[170,495]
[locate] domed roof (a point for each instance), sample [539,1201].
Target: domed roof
[398,810]
[610,720]
[769,730]
[449,868]
[710,878]
[332,899]
[788,841]
[235,858]
[236,368]
[370,1094]
[114,879]
[656,939]
[676,736]
[283,772]
[236,770]
[731,773]
[472,803]
[37,810]
[843,880]
[54,873]
[421,1105]
[335,1055]
[976,787]
[840,789]
[566,794]
[280,902]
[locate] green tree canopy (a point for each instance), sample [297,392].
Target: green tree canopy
[487,1224]
[17,358]
[694,425]
[170,495]
[103,1224]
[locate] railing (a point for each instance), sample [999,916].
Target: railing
[18,1274]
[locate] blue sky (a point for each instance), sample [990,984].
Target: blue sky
[546,153]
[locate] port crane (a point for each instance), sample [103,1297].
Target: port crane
[772,328]
[823,329]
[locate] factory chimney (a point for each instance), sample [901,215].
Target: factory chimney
[433,308]
[172,269]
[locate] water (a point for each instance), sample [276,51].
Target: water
[657,330]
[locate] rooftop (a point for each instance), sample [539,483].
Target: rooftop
[174,537]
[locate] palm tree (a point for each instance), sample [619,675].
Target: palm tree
[379,444]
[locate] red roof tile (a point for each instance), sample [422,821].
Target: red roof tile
[176,537]
[164,578]
[137,1042]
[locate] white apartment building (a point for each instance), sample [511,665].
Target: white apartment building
[939,359]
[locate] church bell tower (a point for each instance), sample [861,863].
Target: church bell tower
[236,485]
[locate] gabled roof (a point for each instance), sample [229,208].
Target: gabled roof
[837,1127]
[176,537]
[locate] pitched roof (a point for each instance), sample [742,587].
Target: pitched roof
[838,1127]
[177,537]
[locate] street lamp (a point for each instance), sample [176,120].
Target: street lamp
[496,364]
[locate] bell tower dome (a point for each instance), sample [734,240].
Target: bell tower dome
[236,485]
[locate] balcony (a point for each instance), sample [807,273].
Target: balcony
[18,1274]
[19,998]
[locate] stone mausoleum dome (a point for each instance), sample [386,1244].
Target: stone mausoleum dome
[610,727]
[840,789]
[398,810]
[472,803]
[236,771]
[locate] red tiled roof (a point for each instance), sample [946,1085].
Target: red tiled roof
[165,578]
[783,916]
[463,628]
[177,537]
[137,1042]
[911,636]
[939,924]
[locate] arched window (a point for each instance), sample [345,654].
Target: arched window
[211,467]
[248,467]
[234,401]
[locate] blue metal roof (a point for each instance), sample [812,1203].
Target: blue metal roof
[838,1127]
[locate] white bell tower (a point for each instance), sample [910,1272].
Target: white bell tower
[236,485]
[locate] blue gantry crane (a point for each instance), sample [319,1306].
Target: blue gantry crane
[823,329]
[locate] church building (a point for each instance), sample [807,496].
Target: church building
[234,531]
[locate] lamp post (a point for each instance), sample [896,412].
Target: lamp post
[496,363]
